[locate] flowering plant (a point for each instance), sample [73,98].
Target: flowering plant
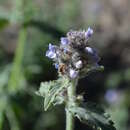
[74,59]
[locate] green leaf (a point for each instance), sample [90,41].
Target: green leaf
[2,108]
[16,71]
[1,119]
[51,91]
[14,124]
[94,116]
[3,23]
[23,11]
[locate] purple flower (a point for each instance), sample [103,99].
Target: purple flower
[74,54]
[88,33]
[73,74]
[64,41]
[51,53]
[56,65]
[51,47]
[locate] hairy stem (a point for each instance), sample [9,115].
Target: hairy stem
[71,91]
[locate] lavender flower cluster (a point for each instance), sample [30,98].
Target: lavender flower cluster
[74,55]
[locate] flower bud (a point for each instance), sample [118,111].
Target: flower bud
[78,64]
[64,41]
[73,74]
[89,33]
[89,50]
[56,65]
[51,54]
[51,47]
[92,54]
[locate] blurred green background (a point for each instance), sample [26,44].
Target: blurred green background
[26,29]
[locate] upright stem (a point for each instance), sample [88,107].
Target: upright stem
[13,83]
[71,91]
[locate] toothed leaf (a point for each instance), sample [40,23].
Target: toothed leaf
[51,91]
[93,116]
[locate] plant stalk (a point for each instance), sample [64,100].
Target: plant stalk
[71,91]
[13,83]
